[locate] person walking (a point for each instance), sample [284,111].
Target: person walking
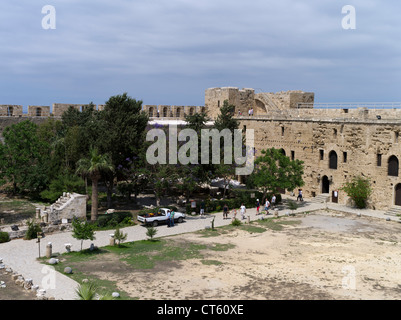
[273,202]
[267,206]
[168,218]
[300,195]
[225,211]
[234,212]
[202,209]
[243,211]
[172,218]
[257,206]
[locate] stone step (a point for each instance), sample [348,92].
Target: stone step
[321,198]
[393,211]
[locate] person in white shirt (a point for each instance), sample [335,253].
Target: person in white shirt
[273,201]
[243,211]
[267,206]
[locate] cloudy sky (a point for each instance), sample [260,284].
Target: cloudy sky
[169,52]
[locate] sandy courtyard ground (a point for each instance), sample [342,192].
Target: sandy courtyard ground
[326,256]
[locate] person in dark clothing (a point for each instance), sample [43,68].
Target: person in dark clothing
[225,212]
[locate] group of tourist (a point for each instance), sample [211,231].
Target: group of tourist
[268,204]
[242,209]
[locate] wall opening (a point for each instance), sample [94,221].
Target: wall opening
[325,185]
[397,201]
[393,166]
[333,160]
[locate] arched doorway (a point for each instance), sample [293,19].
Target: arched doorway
[398,195]
[325,185]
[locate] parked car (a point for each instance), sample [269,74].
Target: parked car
[160,217]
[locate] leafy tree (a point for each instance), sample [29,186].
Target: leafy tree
[120,236]
[93,168]
[80,131]
[32,231]
[274,170]
[202,173]
[50,133]
[82,230]
[63,183]
[359,190]
[24,158]
[226,120]
[123,126]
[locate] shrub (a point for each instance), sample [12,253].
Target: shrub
[236,222]
[292,205]
[86,291]
[359,190]
[151,232]
[33,229]
[4,237]
[114,219]
[120,236]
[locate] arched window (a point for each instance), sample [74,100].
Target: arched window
[150,112]
[10,111]
[393,166]
[333,160]
[282,151]
[178,112]
[165,112]
[38,112]
[191,111]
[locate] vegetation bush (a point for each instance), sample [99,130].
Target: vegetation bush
[236,222]
[359,190]
[151,232]
[33,229]
[4,237]
[114,219]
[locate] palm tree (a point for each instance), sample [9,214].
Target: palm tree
[93,168]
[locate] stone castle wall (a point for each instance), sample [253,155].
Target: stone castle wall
[357,145]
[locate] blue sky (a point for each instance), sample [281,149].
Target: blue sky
[169,52]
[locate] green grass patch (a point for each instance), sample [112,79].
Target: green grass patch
[252,229]
[276,224]
[211,262]
[222,246]
[217,231]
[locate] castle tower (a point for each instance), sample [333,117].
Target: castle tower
[243,100]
